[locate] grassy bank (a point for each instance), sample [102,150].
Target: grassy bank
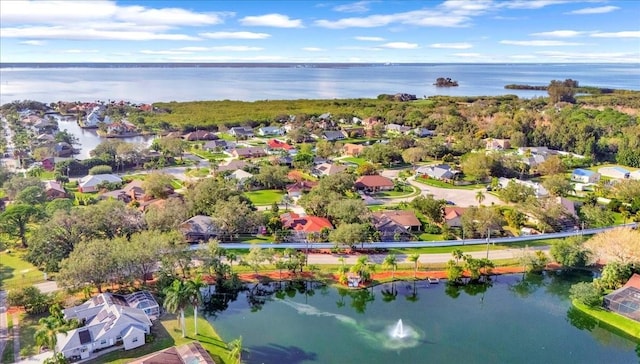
[16,272]
[611,320]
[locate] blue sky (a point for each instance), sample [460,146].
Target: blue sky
[320,31]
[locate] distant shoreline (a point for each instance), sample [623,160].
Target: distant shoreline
[36,65]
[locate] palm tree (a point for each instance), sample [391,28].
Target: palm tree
[480,197]
[235,350]
[176,299]
[46,335]
[286,201]
[194,291]
[457,255]
[392,262]
[414,259]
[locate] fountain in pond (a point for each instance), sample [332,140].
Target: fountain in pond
[398,331]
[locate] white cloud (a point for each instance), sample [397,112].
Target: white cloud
[231,48]
[80,51]
[271,20]
[33,42]
[625,34]
[468,55]
[598,10]
[559,34]
[313,49]
[399,45]
[531,4]
[540,43]
[370,39]
[451,45]
[235,35]
[357,7]
[193,49]
[81,33]
[164,52]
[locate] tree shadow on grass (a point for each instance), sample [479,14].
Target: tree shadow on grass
[278,354]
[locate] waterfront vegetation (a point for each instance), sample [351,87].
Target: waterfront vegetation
[611,320]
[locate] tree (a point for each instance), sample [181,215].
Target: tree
[32,195]
[414,258]
[478,165]
[454,272]
[255,258]
[562,91]
[348,211]
[596,216]
[431,208]
[47,332]
[17,183]
[194,293]
[570,252]
[620,245]
[516,192]
[15,219]
[363,267]
[551,166]
[31,298]
[391,261]
[557,185]
[349,234]
[157,184]
[614,275]
[102,169]
[272,177]
[202,198]
[586,293]
[414,155]
[366,169]
[91,262]
[234,217]
[177,299]
[168,216]
[480,197]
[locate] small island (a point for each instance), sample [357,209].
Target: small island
[445,82]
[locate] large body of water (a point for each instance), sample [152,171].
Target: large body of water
[263,82]
[514,321]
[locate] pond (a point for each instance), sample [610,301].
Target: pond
[512,320]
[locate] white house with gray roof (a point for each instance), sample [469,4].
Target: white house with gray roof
[109,320]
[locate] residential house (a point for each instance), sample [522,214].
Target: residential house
[353,150]
[275,144]
[374,183]
[498,144]
[63,149]
[121,128]
[232,166]
[109,320]
[439,172]
[325,116]
[241,132]
[453,215]
[90,183]
[218,145]
[270,131]
[358,132]
[96,116]
[635,175]
[370,122]
[54,190]
[199,135]
[302,225]
[327,169]
[49,164]
[191,353]
[423,132]
[199,228]
[396,128]
[240,176]
[44,139]
[333,135]
[390,223]
[134,191]
[585,176]
[615,172]
[45,126]
[296,189]
[248,152]
[626,299]
[538,190]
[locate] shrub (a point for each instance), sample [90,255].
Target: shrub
[101,169]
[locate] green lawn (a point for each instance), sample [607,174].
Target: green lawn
[7,354]
[208,155]
[409,191]
[612,320]
[198,172]
[354,160]
[264,197]
[167,333]
[17,273]
[225,136]
[28,328]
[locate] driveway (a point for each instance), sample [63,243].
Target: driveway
[460,197]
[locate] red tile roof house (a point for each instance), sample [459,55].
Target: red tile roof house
[302,226]
[374,183]
[452,215]
[353,150]
[276,144]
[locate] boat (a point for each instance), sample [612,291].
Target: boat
[433,280]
